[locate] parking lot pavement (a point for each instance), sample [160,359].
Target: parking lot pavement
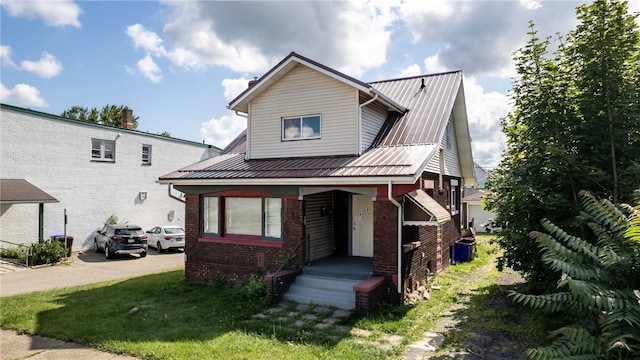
[86,267]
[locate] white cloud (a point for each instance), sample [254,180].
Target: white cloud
[150,69]
[53,13]
[411,70]
[145,39]
[233,87]
[5,56]
[22,95]
[531,4]
[484,113]
[47,67]
[220,132]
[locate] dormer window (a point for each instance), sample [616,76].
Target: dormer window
[301,128]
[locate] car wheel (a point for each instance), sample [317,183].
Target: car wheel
[143,254]
[95,246]
[107,253]
[159,247]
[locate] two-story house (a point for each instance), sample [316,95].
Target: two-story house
[357,184]
[68,176]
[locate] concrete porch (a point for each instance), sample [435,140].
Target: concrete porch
[329,281]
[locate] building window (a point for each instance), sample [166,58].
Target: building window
[252,216]
[146,154]
[455,193]
[273,218]
[103,150]
[211,216]
[300,128]
[243,216]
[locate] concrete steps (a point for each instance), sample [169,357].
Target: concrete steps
[323,290]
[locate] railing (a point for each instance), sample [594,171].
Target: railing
[29,253]
[277,278]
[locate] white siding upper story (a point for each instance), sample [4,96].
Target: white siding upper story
[451,160]
[304,91]
[373,117]
[54,154]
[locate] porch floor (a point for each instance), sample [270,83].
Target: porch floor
[346,267]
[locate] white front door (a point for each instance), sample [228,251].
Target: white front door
[362,226]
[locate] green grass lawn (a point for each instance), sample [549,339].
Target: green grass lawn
[174,319]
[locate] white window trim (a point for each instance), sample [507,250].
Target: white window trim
[282,130]
[148,160]
[103,150]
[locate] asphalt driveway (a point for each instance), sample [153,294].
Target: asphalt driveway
[87,267]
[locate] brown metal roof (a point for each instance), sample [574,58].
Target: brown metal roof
[430,100]
[385,161]
[429,205]
[20,191]
[409,138]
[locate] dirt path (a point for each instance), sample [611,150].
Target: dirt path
[462,333]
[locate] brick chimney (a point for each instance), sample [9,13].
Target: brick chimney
[127,119]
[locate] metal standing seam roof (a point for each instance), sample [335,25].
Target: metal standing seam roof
[430,100]
[429,206]
[20,191]
[384,161]
[403,146]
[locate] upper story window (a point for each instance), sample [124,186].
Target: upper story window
[146,154]
[104,150]
[300,128]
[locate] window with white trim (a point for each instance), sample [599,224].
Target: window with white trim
[252,216]
[210,215]
[455,193]
[103,150]
[301,128]
[146,154]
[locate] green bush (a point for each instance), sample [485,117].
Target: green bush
[254,289]
[14,252]
[49,252]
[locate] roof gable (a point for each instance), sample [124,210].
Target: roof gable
[241,102]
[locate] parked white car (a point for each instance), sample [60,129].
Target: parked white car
[166,237]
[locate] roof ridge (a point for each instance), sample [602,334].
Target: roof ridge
[416,76]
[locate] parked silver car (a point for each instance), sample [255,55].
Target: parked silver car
[166,237]
[121,239]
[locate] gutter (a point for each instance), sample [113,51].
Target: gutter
[397,204]
[169,187]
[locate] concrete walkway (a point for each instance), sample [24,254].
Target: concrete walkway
[80,269]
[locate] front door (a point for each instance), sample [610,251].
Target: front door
[362,225]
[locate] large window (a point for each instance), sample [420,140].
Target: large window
[103,150]
[252,216]
[300,128]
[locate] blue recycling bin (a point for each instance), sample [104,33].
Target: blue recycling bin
[464,250]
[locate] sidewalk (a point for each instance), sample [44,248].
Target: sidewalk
[80,269]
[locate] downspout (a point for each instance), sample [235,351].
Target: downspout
[169,187]
[397,204]
[247,154]
[360,122]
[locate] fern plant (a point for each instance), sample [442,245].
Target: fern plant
[599,285]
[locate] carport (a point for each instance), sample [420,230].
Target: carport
[20,191]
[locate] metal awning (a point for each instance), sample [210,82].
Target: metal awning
[423,210]
[20,191]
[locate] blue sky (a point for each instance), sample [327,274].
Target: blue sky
[177,64]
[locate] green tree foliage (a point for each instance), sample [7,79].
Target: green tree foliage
[599,284]
[576,126]
[109,115]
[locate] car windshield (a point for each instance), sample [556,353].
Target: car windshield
[174,230]
[128,231]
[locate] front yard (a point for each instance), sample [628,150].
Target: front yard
[160,316]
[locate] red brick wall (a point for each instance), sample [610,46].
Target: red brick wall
[207,261]
[385,247]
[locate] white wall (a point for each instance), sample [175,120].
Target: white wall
[54,154]
[304,91]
